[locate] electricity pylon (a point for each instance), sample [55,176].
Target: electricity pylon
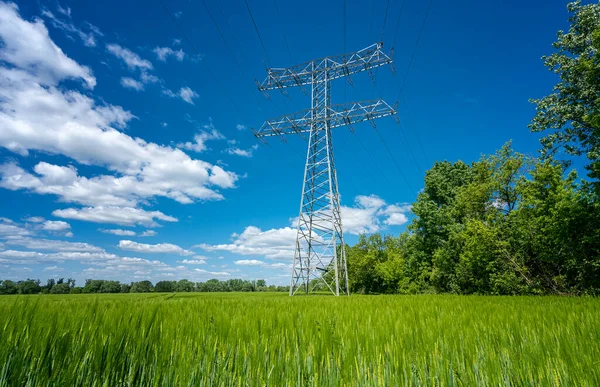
[320,255]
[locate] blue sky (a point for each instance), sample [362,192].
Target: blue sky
[126,155]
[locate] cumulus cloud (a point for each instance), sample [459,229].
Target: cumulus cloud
[242,152]
[35,114]
[125,216]
[117,231]
[213,273]
[52,245]
[88,38]
[28,47]
[131,59]
[185,93]
[110,190]
[396,214]
[369,212]
[193,261]
[209,133]
[188,95]
[164,52]
[249,262]
[35,219]
[53,268]
[164,248]
[275,243]
[130,83]
[10,230]
[55,225]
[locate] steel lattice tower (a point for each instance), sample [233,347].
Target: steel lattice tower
[320,255]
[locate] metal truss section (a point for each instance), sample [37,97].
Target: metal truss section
[320,254]
[335,66]
[338,115]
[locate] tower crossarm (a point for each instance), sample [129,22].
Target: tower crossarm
[336,67]
[339,115]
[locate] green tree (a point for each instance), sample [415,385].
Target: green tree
[165,286]
[142,287]
[29,286]
[572,112]
[184,286]
[8,287]
[110,287]
[61,288]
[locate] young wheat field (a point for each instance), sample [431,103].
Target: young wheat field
[270,339]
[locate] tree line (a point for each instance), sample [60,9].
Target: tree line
[509,223]
[60,286]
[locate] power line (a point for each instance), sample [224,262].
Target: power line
[398,24]
[394,160]
[416,133]
[372,17]
[387,6]
[283,31]
[241,70]
[345,34]
[254,92]
[223,39]
[412,57]
[345,87]
[257,32]
[187,39]
[403,139]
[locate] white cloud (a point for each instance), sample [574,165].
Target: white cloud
[165,248]
[28,47]
[131,59]
[275,243]
[11,230]
[240,127]
[35,219]
[131,83]
[193,261]
[88,38]
[209,133]
[366,216]
[241,152]
[164,52]
[215,273]
[249,262]
[146,78]
[188,95]
[55,225]
[185,93]
[148,233]
[37,115]
[53,268]
[52,245]
[369,212]
[396,214]
[64,11]
[34,117]
[117,231]
[110,190]
[125,216]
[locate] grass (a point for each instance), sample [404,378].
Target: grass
[270,339]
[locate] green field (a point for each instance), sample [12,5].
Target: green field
[271,339]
